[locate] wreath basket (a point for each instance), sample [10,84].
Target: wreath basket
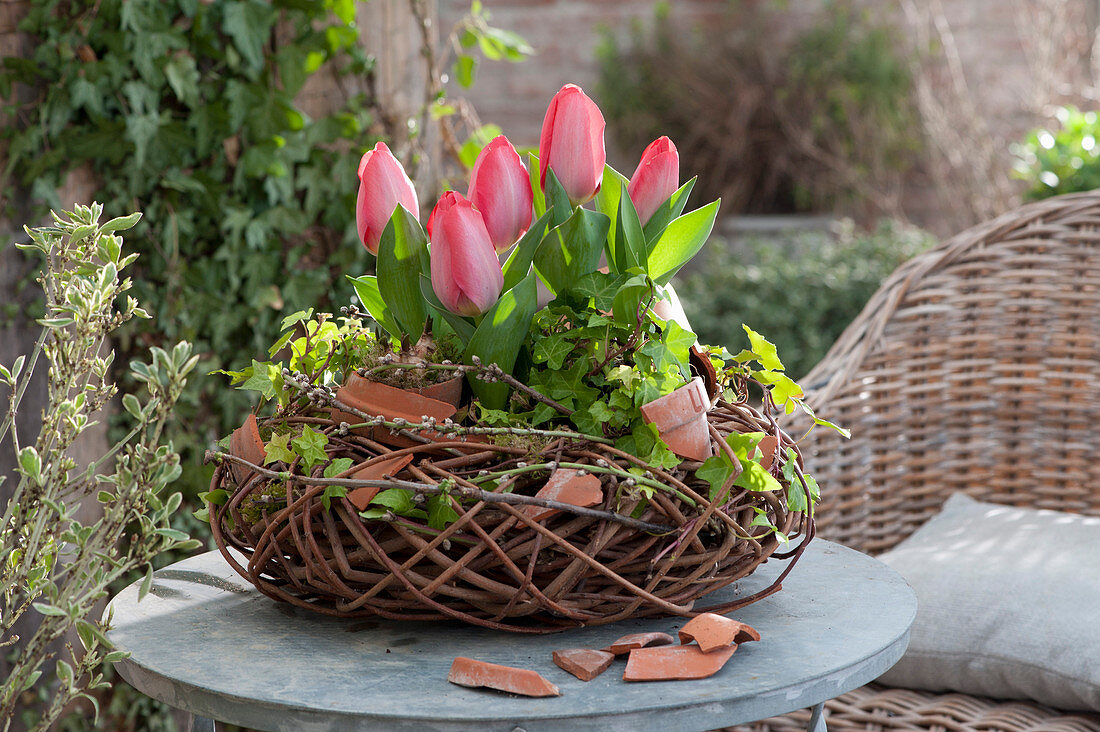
[511,561]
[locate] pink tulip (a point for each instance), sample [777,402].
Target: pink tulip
[500,189]
[382,185]
[656,179]
[571,143]
[466,273]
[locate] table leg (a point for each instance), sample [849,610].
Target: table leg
[817,719]
[202,724]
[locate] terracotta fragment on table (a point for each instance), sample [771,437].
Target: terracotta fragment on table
[246,444]
[713,631]
[681,420]
[468,672]
[567,486]
[675,663]
[628,643]
[584,663]
[361,497]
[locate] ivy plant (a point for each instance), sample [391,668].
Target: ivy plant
[191,109]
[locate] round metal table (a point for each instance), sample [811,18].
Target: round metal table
[205,641]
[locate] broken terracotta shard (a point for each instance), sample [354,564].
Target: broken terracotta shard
[713,631]
[584,663]
[628,643]
[468,672]
[246,444]
[361,497]
[567,486]
[675,663]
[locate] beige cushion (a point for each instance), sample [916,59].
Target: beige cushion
[1008,604]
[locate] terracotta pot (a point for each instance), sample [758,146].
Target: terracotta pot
[246,444]
[382,400]
[449,391]
[681,420]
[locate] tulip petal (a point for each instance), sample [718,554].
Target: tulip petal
[500,189]
[656,178]
[383,184]
[572,143]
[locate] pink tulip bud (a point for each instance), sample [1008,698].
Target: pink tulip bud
[656,179]
[571,143]
[500,189]
[382,185]
[466,273]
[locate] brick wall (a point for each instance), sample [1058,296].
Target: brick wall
[998,44]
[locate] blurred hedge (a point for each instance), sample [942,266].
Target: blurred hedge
[800,289]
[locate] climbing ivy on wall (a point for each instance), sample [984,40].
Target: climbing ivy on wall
[185,109]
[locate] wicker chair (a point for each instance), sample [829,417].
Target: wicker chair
[975,368]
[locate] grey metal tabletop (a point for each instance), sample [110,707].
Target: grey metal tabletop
[205,641]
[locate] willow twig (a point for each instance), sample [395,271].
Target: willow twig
[458,490]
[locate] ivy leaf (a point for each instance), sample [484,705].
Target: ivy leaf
[716,470]
[278,449]
[755,478]
[602,287]
[266,378]
[248,23]
[337,466]
[311,446]
[332,491]
[553,350]
[783,389]
[679,342]
[465,66]
[440,511]
[397,500]
[764,350]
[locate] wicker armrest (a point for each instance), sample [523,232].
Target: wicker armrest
[875,708]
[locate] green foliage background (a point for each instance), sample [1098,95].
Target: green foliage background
[772,121]
[799,288]
[186,110]
[1065,159]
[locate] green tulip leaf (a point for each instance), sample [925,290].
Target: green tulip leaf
[519,261]
[666,212]
[607,203]
[536,184]
[557,200]
[499,338]
[462,327]
[681,241]
[572,250]
[630,243]
[366,287]
[402,257]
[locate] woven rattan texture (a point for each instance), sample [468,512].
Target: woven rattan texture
[503,566]
[975,368]
[878,709]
